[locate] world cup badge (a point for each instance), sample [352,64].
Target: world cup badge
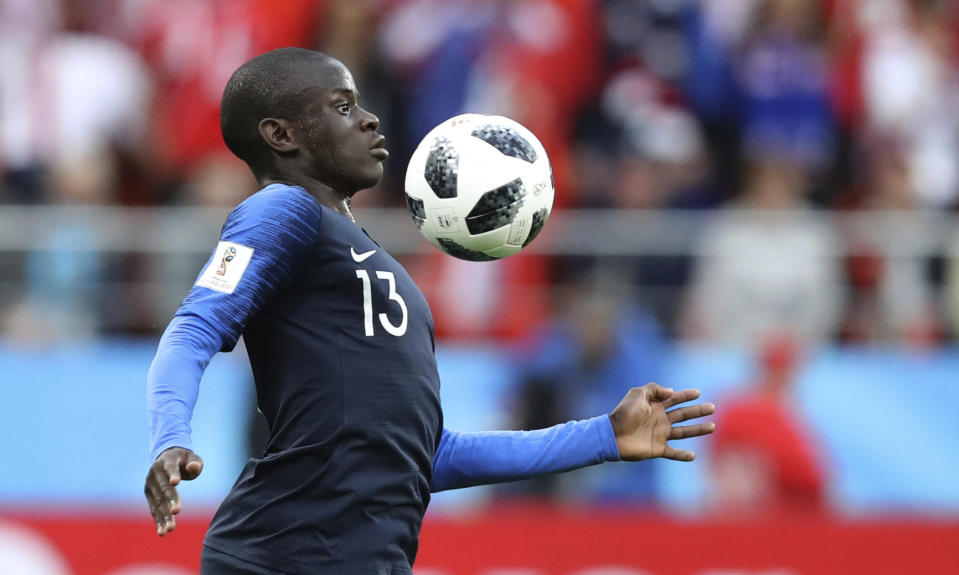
[228,255]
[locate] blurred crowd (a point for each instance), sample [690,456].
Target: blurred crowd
[774,108]
[761,115]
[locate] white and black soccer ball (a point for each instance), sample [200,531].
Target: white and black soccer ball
[479,187]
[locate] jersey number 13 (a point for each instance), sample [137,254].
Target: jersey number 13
[391,329]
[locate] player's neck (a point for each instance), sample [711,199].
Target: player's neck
[336,201]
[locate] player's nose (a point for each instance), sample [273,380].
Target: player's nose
[369,122]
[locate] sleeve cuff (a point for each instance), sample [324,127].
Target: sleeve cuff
[607,438]
[185,443]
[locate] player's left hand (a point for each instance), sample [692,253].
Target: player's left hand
[643,426]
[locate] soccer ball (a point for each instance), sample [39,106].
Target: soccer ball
[479,187]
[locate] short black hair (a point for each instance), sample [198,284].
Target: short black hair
[268,86]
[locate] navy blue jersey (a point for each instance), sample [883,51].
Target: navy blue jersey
[340,340]
[341,344]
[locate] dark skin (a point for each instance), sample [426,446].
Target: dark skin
[335,152]
[332,152]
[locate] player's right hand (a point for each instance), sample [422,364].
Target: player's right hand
[172,466]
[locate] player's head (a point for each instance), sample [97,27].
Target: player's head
[294,111]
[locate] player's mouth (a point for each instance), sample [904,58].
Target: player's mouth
[378,150]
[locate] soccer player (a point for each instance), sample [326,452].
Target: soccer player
[341,345]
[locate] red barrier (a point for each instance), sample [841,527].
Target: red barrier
[523,542]
[580,543]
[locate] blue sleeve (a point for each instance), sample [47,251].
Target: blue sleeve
[280,224]
[173,381]
[276,228]
[469,459]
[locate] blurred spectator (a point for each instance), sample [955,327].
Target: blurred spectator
[663,165]
[66,271]
[610,132]
[582,363]
[531,60]
[65,91]
[910,85]
[25,25]
[767,265]
[784,78]
[951,291]
[893,299]
[647,32]
[759,77]
[639,151]
[763,459]
[347,35]
[193,46]
[715,30]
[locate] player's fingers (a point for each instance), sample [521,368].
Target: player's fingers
[160,506]
[166,521]
[656,392]
[681,396]
[152,497]
[172,500]
[678,454]
[171,467]
[164,487]
[154,491]
[158,520]
[684,431]
[165,524]
[193,466]
[690,412]
[169,494]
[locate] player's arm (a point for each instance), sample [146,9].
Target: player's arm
[639,428]
[262,244]
[173,383]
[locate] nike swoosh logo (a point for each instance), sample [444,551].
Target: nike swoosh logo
[360,257]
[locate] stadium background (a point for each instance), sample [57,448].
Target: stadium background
[754,197]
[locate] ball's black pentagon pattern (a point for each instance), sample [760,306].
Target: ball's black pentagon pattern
[496,208]
[539,219]
[442,166]
[458,251]
[417,211]
[506,140]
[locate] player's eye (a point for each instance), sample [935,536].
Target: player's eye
[343,107]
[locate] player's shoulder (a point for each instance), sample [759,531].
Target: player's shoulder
[277,208]
[280,201]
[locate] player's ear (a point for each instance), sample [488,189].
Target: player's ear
[278,134]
